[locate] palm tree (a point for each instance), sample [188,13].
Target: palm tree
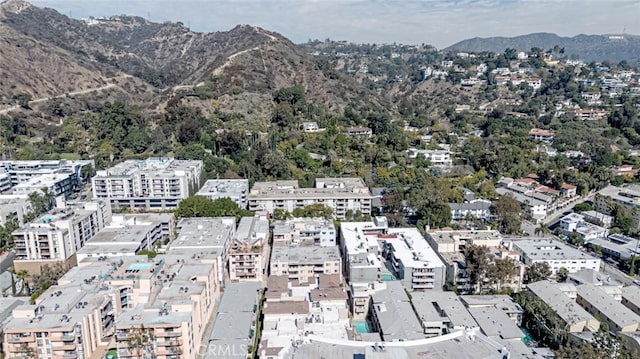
[542,230]
[21,276]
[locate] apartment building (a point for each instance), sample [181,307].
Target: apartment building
[205,239]
[575,223]
[342,195]
[617,246]
[597,302]
[154,183]
[450,246]
[235,323]
[305,231]
[441,313]
[23,171]
[392,316]
[59,234]
[304,263]
[627,197]
[13,208]
[128,234]
[247,252]
[556,254]
[235,189]
[414,262]
[60,184]
[577,319]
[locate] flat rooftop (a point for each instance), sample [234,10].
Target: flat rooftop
[615,311]
[632,295]
[303,255]
[449,303]
[412,248]
[204,232]
[566,308]
[459,347]
[224,187]
[398,321]
[152,167]
[542,249]
[325,187]
[495,323]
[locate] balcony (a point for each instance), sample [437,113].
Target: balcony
[21,338]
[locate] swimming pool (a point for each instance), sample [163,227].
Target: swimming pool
[386,277]
[361,327]
[139,266]
[47,219]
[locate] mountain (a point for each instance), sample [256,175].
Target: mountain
[52,54]
[586,47]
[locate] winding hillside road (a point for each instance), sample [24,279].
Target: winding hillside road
[73,93]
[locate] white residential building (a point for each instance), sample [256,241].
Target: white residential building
[247,253]
[59,234]
[342,195]
[235,189]
[22,171]
[154,183]
[435,157]
[576,223]
[305,231]
[556,254]
[414,262]
[128,234]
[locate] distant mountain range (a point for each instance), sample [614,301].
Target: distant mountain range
[585,47]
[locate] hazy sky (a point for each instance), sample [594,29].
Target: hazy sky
[436,22]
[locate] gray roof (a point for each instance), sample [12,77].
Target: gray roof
[239,297]
[397,319]
[632,295]
[496,323]
[544,249]
[450,303]
[304,254]
[458,348]
[566,308]
[234,325]
[227,349]
[613,310]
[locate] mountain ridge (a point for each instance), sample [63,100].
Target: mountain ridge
[607,47]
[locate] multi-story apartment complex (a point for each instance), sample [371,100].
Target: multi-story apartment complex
[163,304]
[342,195]
[414,262]
[59,234]
[603,306]
[556,254]
[206,240]
[128,234]
[627,197]
[573,315]
[56,183]
[234,189]
[450,246]
[304,263]
[154,183]
[575,223]
[305,231]
[247,253]
[362,264]
[23,171]
[13,208]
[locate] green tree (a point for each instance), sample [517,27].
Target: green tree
[314,210]
[538,271]
[582,207]
[508,210]
[199,206]
[563,274]
[477,265]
